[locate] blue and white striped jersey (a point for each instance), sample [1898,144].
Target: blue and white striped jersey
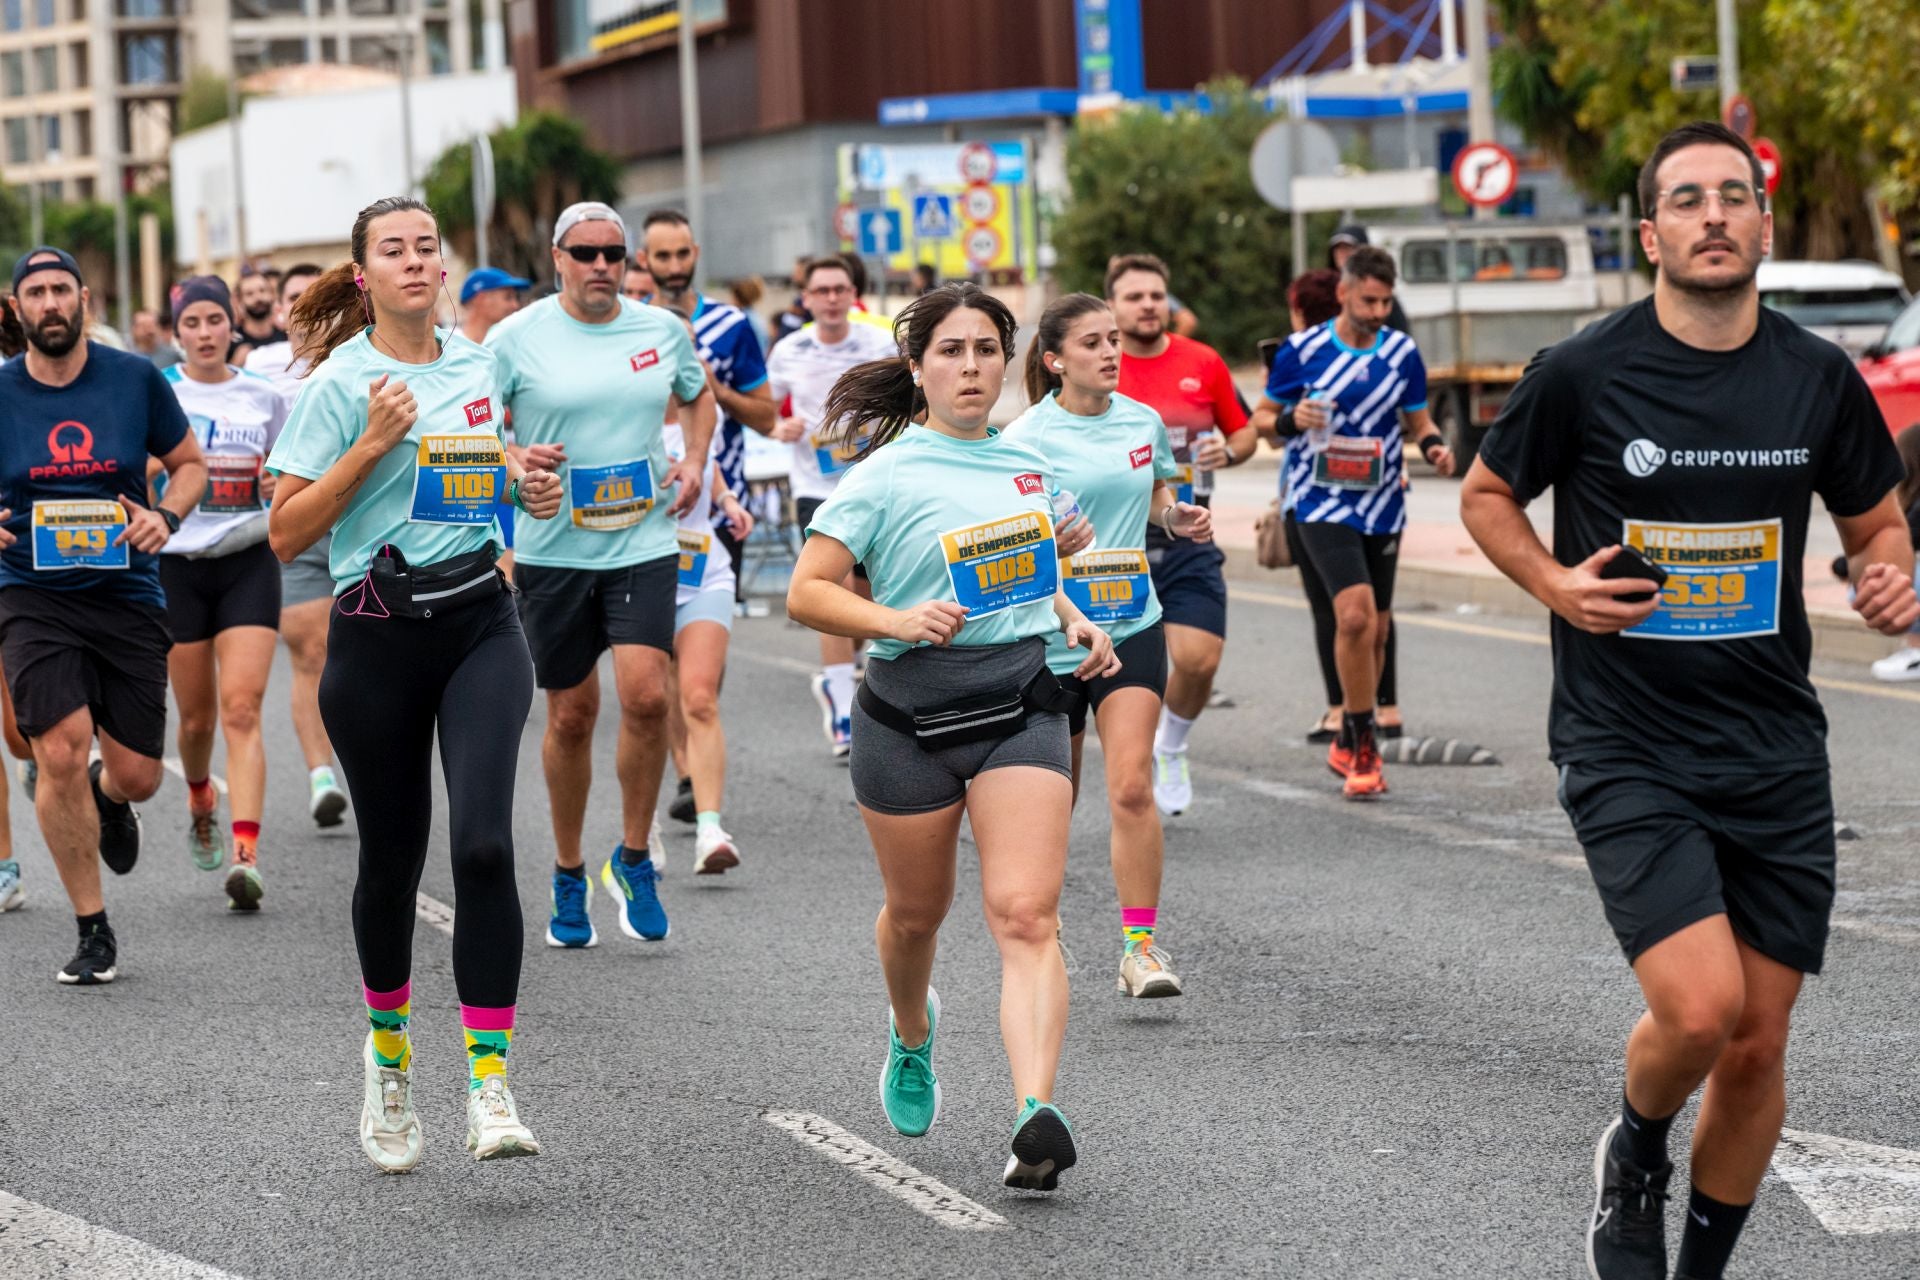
[726,343]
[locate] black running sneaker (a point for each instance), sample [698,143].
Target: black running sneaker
[1042,1148]
[93,963]
[1627,1239]
[681,808]
[119,827]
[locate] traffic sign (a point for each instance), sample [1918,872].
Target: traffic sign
[1691,75]
[983,246]
[933,217]
[1771,161]
[846,222]
[1485,174]
[880,233]
[1274,164]
[978,163]
[980,203]
[1738,115]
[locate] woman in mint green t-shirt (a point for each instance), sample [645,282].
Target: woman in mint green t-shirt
[959,715]
[1113,454]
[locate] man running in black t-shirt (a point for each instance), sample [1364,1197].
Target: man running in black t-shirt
[1695,428]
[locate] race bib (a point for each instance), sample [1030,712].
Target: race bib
[610,498]
[458,479]
[78,535]
[1723,579]
[233,484]
[1109,586]
[1002,563]
[1349,462]
[835,457]
[1183,482]
[694,549]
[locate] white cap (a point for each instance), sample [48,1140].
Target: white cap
[586,211]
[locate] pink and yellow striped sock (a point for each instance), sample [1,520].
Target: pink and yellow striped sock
[387,1013]
[489,1035]
[1137,924]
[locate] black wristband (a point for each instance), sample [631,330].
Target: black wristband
[173,521]
[1284,426]
[1430,442]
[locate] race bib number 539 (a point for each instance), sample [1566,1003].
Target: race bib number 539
[1723,580]
[1002,563]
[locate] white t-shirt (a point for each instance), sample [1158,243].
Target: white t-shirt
[236,423]
[696,527]
[276,364]
[806,368]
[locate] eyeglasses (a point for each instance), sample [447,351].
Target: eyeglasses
[586,253]
[1689,199]
[829,290]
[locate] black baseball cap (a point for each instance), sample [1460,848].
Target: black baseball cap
[52,259]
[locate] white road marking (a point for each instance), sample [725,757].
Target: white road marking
[776,660]
[38,1243]
[172,764]
[902,1181]
[1854,1188]
[434,912]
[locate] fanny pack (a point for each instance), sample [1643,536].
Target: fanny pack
[395,589]
[980,717]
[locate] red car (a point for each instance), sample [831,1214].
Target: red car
[1892,369]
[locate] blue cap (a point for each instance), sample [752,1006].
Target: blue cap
[44,258]
[489,278]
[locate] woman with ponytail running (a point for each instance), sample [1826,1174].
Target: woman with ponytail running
[959,715]
[394,446]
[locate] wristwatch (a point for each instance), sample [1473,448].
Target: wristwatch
[173,521]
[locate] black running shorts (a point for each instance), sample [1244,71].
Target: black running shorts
[208,595]
[1143,665]
[64,650]
[1667,851]
[572,615]
[1345,557]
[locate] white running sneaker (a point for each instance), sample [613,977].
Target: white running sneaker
[494,1131]
[714,852]
[389,1131]
[1901,665]
[1146,973]
[1172,784]
[11,894]
[828,712]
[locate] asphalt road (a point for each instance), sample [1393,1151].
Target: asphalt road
[1403,1029]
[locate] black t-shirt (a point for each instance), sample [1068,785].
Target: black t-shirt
[1707,461]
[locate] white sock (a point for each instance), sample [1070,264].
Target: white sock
[840,687]
[1173,732]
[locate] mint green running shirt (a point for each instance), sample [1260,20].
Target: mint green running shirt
[935,518]
[601,390]
[1111,464]
[456,398]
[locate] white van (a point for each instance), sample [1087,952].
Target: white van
[1847,303]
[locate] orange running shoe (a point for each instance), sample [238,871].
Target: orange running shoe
[1366,779]
[1340,758]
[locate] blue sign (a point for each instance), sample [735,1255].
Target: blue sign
[933,217]
[880,233]
[1108,43]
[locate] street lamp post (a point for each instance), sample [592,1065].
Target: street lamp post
[690,118]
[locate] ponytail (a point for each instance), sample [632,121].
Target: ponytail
[1041,381]
[1055,321]
[328,313]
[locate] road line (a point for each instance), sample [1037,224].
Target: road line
[38,1243]
[434,912]
[872,1165]
[1854,1188]
[777,660]
[172,764]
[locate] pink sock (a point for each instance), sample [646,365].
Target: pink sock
[1137,923]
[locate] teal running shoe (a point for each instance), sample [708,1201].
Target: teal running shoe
[11,894]
[641,915]
[1042,1148]
[205,843]
[909,1093]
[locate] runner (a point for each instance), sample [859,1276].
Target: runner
[587,376]
[83,632]
[487,297]
[637,284]
[1343,386]
[395,446]
[1085,431]
[222,585]
[1187,384]
[954,520]
[804,368]
[259,325]
[306,583]
[1694,428]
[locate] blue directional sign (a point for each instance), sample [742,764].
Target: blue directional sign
[880,233]
[933,217]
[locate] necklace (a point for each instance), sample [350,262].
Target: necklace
[374,335]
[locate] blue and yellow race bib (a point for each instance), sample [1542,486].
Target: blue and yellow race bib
[610,498]
[458,479]
[1002,563]
[833,456]
[694,550]
[78,535]
[1723,579]
[1109,586]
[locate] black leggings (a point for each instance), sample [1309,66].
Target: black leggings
[388,684]
[1324,629]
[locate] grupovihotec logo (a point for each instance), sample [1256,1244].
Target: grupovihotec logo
[1643,457]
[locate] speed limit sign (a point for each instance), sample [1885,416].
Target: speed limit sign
[983,246]
[978,163]
[980,203]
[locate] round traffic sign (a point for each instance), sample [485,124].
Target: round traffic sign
[846,222]
[1738,115]
[978,163]
[983,246]
[1485,174]
[980,203]
[1770,160]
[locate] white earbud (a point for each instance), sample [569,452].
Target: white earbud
[916,379]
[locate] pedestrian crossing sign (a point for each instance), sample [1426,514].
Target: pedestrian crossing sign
[933,217]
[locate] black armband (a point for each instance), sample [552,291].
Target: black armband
[1436,440]
[1284,426]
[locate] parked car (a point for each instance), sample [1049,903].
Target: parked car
[1891,367]
[1847,303]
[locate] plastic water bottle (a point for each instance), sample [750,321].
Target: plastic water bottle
[1203,476]
[1066,508]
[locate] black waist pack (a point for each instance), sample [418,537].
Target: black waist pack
[393,588]
[980,717]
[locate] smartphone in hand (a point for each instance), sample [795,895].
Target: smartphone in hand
[1629,563]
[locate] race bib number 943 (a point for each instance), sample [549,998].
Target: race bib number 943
[1723,580]
[458,479]
[78,535]
[1002,563]
[611,497]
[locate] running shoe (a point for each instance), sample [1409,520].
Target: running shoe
[1042,1148]
[1172,783]
[842,737]
[494,1131]
[641,915]
[1627,1239]
[244,889]
[909,1093]
[1146,973]
[206,843]
[829,714]
[1339,758]
[682,808]
[571,925]
[29,777]
[1904,665]
[11,894]
[1367,778]
[326,802]
[714,852]
[94,962]
[119,827]
[389,1131]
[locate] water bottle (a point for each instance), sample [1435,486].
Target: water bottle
[1203,476]
[1066,507]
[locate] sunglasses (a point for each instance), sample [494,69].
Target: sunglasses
[586,253]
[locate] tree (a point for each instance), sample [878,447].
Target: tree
[541,164]
[84,228]
[203,101]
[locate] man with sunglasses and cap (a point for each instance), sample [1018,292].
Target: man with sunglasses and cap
[587,376]
[83,630]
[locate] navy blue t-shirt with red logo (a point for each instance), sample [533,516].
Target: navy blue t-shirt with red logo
[88,439]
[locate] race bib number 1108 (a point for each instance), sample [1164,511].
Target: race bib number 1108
[1002,563]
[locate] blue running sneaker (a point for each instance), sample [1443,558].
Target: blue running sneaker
[571,924]
[641,915]
[909,1093]
[1042,1148]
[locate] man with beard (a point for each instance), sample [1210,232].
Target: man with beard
[83,632]
[1692,430]
[259,325]
[1336,393]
